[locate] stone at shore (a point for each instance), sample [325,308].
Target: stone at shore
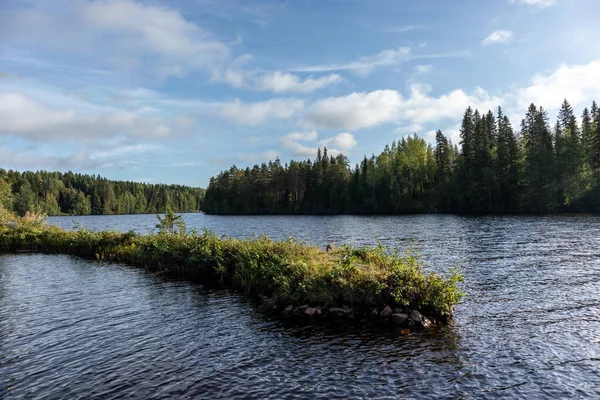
[375,313]
[302,308]
[419,319]
[288,311]
[311,311]
[400,318]
[338,312]
[386,312]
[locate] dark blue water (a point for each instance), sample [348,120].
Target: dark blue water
[529,328]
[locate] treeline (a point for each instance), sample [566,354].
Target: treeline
[56,193]
[494,169]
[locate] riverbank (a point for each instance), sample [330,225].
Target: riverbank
[289,277]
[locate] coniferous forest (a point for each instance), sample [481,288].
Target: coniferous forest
[495,168]
[56,193]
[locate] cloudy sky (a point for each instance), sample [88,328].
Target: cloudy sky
[176,91]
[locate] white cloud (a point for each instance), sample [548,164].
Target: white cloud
[364,65]
[38,158]
[580,84]
[257,113]
[499,36]
[539,3]
[307,143]
[409,129]
[386,58]
[280,82]
[355,111]
[237,75]
[123,33]
[266,156]
[363,110]
[344,141]
[423,69]
[153,38]
[292,142]
[26,117]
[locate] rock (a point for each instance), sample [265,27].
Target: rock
[398,310]
[399,318]
[375,313]
[338,312]
[302,308]
[419,319]
[318,310]
[11,224]
[310,311]
[405,331]
[387,312]
[416,316]
[426,322]
[288,310]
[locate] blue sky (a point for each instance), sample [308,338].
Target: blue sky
[176,91]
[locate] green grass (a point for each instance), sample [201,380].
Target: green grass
[279,272]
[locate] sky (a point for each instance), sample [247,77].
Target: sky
[172,91]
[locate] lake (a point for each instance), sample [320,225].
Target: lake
[529,327]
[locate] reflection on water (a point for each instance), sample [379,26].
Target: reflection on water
[529,327]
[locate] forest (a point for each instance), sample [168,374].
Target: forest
[55,193]
[495,168]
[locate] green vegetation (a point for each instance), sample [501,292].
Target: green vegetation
[55,193]
[282,273]
[495,169]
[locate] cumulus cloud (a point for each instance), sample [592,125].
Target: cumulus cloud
[580,84]
[499,36]
[369,109]
[307,143]
[355,111]
[295,142]
[257,113]
[48,123]
[343,141]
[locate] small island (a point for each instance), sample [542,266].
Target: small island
[289,278]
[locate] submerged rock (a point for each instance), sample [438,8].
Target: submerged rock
[399,318]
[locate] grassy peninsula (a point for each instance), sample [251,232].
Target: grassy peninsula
[288,276]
